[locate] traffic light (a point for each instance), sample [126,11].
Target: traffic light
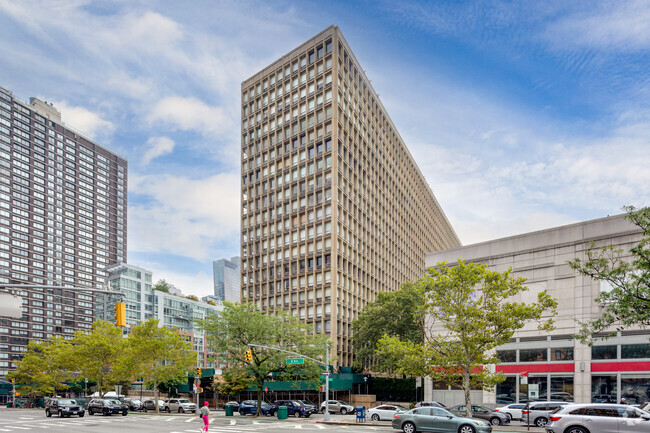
[13,380]
[120,314]
[198,371]
[248,356]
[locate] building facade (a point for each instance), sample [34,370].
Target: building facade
[561,367]
[63,216]
[227,277]
[132,285]
[334,208]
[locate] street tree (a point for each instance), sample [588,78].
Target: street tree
[44,368]
[627,303]
[99,354]
[470,311]
[159,355]
[233,381]
[399,313]
[162,286]
[231,332]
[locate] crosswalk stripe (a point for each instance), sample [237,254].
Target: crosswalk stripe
[189,420]
[319,426]
[171,418]
[297,426]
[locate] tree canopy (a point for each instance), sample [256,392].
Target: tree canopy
[161,286]
[628,302]
[470,311]
[236,327]
[398,313]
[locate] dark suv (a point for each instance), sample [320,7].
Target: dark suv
[63,407]
[107,407]
[294,407]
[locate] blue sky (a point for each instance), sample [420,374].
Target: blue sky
[522,115]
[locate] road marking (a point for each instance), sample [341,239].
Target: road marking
[233,422]
[170,418]
[297,426]
[188,420]
[319,426]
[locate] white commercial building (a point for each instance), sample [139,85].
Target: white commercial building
[562,367]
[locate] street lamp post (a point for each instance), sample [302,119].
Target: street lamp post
[365,380]
[85,387]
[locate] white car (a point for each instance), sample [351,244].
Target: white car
[385,412]
[513,410]
[337,406]
[180,405]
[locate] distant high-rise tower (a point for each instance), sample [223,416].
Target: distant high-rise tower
[334,208]
[63,205]
[226,279]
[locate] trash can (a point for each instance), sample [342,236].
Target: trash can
[10,404]
[282,412]
[361,413]
[229,410]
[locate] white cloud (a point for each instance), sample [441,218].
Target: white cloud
[158,146]
[183,216]
[189,114]
[620,26]
[84,120]
[199,284]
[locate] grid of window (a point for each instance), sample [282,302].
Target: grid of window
[334,208]
[62,215]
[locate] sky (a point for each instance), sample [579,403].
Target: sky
[522,115]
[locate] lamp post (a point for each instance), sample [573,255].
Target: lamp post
[85,387]
[365,380]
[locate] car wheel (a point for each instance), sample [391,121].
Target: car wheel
[60,414]
[541,422]
[408,427]
[106,412]
[90,411]
[125,413]
[374,417]
[576,430]
[47,413]
[181,410]
[344,411]
[509,416]
[81,415]
[495,421]
[466,429]
[168,410]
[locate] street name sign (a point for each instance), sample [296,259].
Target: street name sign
[295,361]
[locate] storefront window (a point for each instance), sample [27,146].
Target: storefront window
[561,388]
[635,351]
[532,355]
[603,352]
[603,389]
[506,390]
[635,388]
[507,355]
[562,354]
[541,381]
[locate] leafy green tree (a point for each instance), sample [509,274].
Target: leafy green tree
[99,354]
[628,302]
[162,286]
[159,355]
[44,369]
[238,325]
[233,381]
[193,297]
[470,311]
[399,313]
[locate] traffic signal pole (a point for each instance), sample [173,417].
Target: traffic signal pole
[326,415]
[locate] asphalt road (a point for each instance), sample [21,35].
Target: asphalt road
[34,420]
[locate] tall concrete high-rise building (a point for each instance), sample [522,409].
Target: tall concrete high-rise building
[227,277]
[63,201]
[334,208]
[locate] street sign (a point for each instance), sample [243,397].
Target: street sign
[295,361]
[533,391]
[523,379]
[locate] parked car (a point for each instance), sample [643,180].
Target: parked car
[249,407]
[429,404]
[512,410]
[385,412]
[598,418]
[107,407]
[439,420]
[234,404]
[337,406]
[603,398]
[310,405]
[558,396]
[537,412]
[149,405]
[294,407]
[63,407]
[494,417]
[134,404]
[180,405]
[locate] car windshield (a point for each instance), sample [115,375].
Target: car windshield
[298,403]
[114,402]
[342,402]
[184,400]
[67,402]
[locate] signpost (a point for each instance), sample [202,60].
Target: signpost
[291,361]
